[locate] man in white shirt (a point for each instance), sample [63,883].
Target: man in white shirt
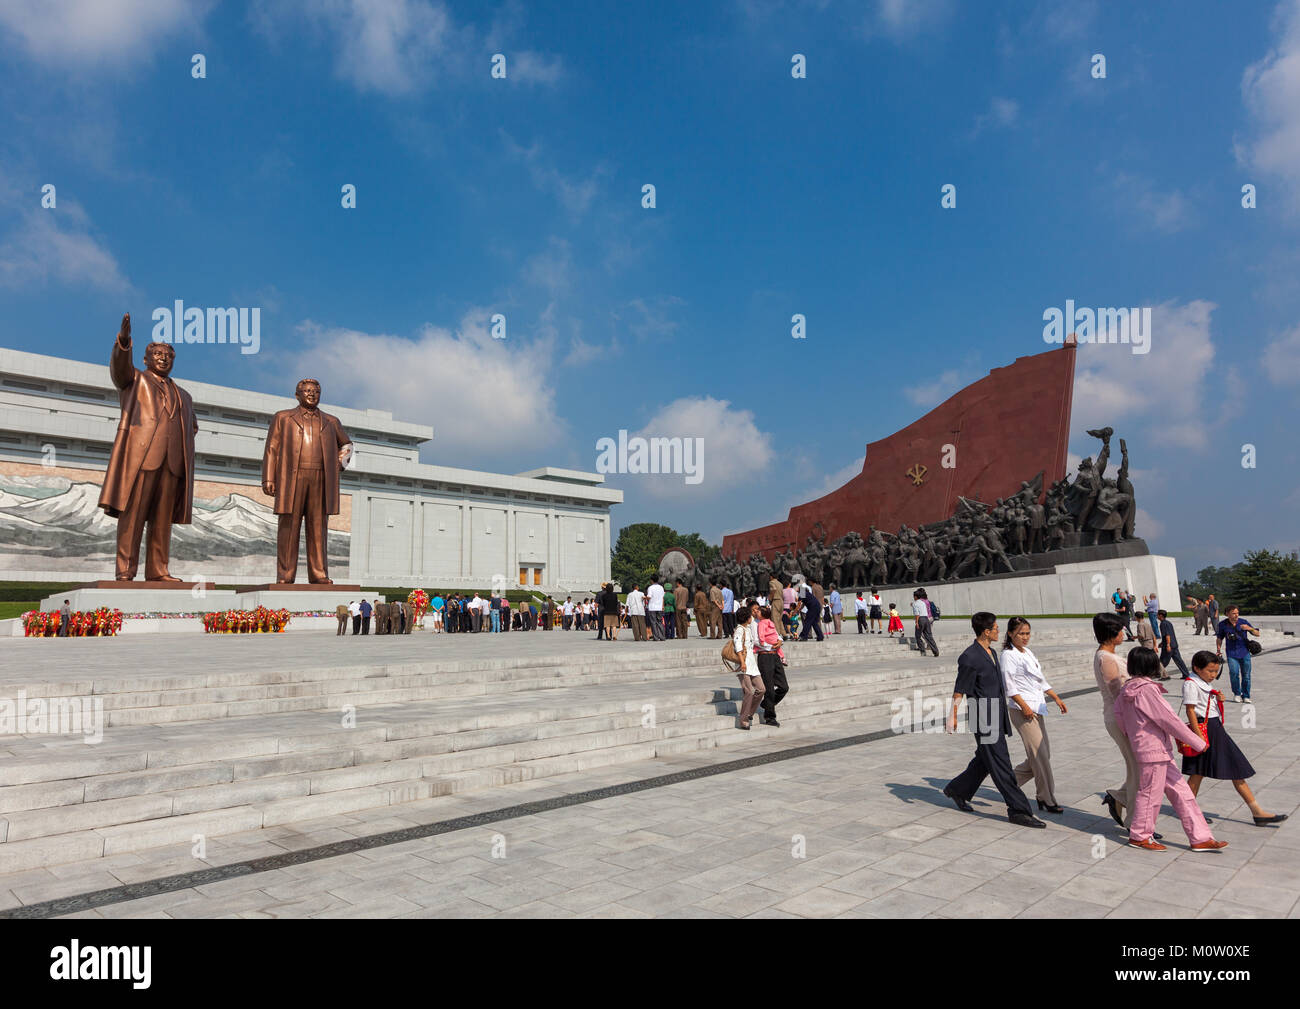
[636,612]
[567,613]
[354,608]
[655,609]
[476,613]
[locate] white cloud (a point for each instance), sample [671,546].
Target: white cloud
[1145,524]
[736,452]
[57,245]
[934,392]
[551,268]
[463,383]
[62,32]
[575,194]
[402,47]
[1270,89]
[532,68]
[1166,210]
[1163,389]
[1002,112]
[1282,359]
[905,19]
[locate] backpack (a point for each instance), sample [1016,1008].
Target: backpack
[934,609]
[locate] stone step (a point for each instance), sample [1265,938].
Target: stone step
[317,791]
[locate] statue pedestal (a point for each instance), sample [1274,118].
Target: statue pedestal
[297,597]
[144,597]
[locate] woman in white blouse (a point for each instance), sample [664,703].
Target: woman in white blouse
[745,640]
[1027,693]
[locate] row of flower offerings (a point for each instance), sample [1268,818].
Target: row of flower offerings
[100,623]
[258,621]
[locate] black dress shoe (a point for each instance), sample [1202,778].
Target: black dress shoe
[962,804]
[1049,807]
[1264,821]
[772,722]
[1108,801]
[1025,820]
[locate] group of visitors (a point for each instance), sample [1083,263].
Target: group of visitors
[397,617]
[1009,690]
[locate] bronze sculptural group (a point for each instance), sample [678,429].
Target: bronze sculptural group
[978,540]
[150,475]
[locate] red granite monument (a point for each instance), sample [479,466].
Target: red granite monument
[980,443]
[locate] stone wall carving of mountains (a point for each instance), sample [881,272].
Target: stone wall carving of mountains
[66,521]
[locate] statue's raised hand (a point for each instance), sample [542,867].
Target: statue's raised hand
[124,333]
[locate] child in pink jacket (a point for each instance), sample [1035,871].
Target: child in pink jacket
[1145,717]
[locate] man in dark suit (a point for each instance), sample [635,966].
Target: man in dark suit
[150,474]
[980,679]
[306,449]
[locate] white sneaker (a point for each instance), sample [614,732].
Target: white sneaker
[1236,699]
[1247,700]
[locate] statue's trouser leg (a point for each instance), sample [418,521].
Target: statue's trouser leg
[290,524]
[130,524]
[158,547]
[317,526]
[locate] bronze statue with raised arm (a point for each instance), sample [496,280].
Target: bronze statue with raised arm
[150,475]
[306,449]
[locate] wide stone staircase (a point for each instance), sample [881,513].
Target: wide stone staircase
[238,750]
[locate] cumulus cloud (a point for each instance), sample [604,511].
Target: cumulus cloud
[1160,389]
[62,32]
[58,246]
[1270,89]
[462,383]
[1282,359]
[735,450]
[934,392]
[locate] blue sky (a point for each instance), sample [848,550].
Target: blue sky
[775,196]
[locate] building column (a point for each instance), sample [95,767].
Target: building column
[465,555]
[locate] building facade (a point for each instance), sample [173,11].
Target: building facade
[402,522]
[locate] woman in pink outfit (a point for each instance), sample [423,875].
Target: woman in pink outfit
[1144,716]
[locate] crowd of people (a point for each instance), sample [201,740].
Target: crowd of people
[1008,690]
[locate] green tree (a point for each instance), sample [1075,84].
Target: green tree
[1264,581]
[635,557]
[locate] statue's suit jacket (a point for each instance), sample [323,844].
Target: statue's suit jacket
[142,416]
[284,449]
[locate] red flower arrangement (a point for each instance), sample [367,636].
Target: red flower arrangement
[100,623]
[258,621]
[419,600]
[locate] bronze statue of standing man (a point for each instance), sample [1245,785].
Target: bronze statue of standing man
[306,449]
[150,475]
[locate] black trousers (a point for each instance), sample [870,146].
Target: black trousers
[862,623]
[775,687]
[356,624]
[728,624]
[812,623]
[1166,655]
[365,625]
[991,759]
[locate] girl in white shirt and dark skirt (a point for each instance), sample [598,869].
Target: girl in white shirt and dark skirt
[1223,760]
[1027,692]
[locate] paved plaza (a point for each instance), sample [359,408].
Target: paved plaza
[857,830]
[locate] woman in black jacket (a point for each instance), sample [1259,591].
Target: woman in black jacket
[609,612]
